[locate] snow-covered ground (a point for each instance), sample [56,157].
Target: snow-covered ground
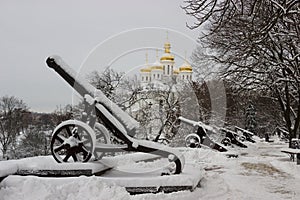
[260,172]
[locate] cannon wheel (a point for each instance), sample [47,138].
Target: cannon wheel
[226,141]
[242,138]
[73,141]
[102,136]
[192,140]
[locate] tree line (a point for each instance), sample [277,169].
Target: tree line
[24,133]
[255,46]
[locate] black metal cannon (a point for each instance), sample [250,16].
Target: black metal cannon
[201,137]
[247,134]
[232,137]
[80,140]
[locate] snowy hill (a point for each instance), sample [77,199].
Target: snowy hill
[260,172]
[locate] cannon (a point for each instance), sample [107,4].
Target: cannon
[282,133]
[201,137]
[247,134]
[232,137]
[82,140]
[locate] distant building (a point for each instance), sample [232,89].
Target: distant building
[155,106]
[164,70]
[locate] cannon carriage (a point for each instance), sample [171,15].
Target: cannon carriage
[89,138]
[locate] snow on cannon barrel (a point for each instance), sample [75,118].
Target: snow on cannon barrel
[79,139]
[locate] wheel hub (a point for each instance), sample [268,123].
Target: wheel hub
[72,141]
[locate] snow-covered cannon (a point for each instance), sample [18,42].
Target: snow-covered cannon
[81,140]
[201,137]
[232,137]
[247,134]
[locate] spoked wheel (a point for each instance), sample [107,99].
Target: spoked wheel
[242,138]
[102,136]
[226,141]
[72,141]
[192,140]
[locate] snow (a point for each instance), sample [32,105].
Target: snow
[121,115]
[287,150]
[111,118]
[199,123]
[161,147]
[261,171]
[8,167]
[16,187]
[141,176]
[48,163]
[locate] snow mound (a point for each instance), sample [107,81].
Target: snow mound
[15,188]
[261,171]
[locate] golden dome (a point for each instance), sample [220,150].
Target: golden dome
[176,71]
[185,67]
[167,55]
[145,70]
[157,67]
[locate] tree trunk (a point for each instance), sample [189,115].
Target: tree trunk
[4,152]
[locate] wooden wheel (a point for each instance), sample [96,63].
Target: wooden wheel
[242,138]
[192,140]
[226,141]
[72,141]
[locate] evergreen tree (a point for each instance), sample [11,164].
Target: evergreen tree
[251,122]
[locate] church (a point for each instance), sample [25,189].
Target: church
[164,70]
[156,105]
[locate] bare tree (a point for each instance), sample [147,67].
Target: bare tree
[35,141]
[107,81]
[169,111]
[12,113]
[60,114]
[258,44]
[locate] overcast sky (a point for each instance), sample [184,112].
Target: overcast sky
[88,35]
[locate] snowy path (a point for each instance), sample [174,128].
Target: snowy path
[260,172]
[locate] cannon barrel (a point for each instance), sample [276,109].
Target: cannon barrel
[194,123]
[56,63]
[83,88]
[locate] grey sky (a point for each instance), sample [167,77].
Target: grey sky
[32,30]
